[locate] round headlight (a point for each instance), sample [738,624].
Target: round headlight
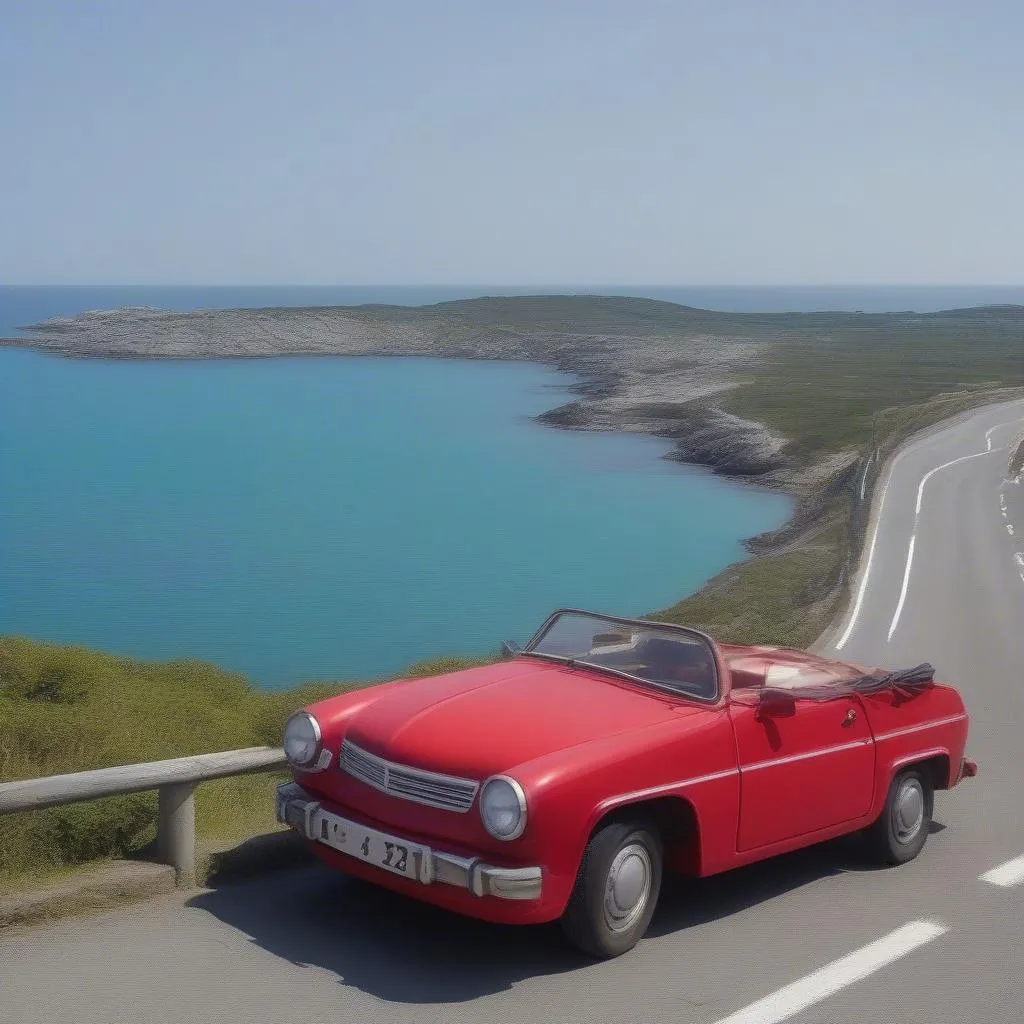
[302,740]
[503,807]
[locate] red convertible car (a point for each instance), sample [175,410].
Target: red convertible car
[561,782]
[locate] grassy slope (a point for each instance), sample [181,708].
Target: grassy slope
[822,392]
[66,709]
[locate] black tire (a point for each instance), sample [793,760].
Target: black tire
[593,920]
[901,830]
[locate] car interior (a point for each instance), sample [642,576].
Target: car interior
[658,658]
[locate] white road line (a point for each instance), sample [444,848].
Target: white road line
[917,514]
[945,465]
[903,589]
[992,430]
[1005,875]
[862,589]
[867,567]
[1018,557]
[874,537]
[837,975]
[1009,529]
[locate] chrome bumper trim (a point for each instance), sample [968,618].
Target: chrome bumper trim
[296,808]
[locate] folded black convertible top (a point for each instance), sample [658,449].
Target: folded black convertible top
[917,678]
[906,678]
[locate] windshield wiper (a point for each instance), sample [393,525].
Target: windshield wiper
[562,659]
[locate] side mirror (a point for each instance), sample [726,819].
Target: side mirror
[509,648]
[775,704]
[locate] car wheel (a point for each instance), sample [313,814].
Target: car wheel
[616,889]
[902,828]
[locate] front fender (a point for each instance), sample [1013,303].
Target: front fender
[692,762]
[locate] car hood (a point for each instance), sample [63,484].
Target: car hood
[491,719]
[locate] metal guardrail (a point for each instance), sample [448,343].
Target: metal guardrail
[174,780]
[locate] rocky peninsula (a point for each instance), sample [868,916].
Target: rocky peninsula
[644,366]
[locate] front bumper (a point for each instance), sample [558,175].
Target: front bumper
[299,809]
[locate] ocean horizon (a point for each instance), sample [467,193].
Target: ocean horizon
[24,305]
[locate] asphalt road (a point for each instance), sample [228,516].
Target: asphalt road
[815,936]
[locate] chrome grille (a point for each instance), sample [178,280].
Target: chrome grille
[422,787]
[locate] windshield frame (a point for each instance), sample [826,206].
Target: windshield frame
[669,627]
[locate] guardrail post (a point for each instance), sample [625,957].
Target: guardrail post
[176,830]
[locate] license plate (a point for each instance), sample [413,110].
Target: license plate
[367,844]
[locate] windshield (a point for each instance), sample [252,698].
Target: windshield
[668,657]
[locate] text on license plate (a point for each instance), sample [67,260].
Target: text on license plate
[388,852]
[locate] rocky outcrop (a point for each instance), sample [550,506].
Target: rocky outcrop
[641,366]
[702,433]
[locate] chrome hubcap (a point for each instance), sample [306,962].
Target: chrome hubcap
[628,887]
[908,811]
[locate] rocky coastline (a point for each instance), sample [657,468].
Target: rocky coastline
[642,366]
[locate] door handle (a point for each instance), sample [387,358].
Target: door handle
[851,717]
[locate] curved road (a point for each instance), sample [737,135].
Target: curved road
[811,937]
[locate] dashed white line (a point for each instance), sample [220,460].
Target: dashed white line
[837,975]
[1006,875]
[1009,529]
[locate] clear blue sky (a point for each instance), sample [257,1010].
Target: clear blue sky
[529,141]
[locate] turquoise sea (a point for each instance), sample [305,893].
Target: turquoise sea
[331,518]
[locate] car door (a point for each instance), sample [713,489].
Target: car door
[804,766]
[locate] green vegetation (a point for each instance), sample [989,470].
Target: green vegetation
[822,390]
[66,709]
